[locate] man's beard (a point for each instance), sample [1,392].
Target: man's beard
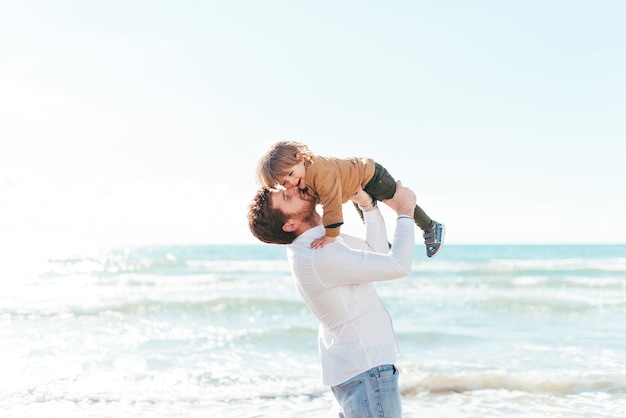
[308,213]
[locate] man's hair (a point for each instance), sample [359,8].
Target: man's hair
[278,161]
[265,222]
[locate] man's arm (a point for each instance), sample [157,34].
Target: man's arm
[375,228]
[339,264]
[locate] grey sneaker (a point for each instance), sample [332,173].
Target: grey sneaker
[433,239]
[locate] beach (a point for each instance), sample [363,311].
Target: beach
[192,330]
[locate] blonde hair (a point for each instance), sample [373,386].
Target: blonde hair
[278,161]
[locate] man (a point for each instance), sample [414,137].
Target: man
[357,342]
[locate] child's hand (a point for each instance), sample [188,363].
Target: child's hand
[321,242]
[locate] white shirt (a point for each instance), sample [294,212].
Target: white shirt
[336,282]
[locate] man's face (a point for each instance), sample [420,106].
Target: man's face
[294,203]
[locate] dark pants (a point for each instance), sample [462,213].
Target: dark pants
[383,186]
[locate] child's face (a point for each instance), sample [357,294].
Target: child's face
[295,177]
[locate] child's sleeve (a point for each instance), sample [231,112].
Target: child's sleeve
[330,192]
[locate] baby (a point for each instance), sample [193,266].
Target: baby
[333,181]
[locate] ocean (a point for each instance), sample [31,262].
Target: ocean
[220,331]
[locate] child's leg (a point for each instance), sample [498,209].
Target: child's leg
[422,220]
[383,186]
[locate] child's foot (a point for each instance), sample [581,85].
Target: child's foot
[433,239]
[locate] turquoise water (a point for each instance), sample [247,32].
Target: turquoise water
[220,330]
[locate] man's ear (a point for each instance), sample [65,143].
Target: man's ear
[290,227]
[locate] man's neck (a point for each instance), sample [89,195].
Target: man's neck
[310,223]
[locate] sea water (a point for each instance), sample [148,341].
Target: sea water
[220,331]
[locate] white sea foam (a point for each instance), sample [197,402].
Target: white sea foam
[615,264]
[238,265]
[416,380]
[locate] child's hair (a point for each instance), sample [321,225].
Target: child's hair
[278,161]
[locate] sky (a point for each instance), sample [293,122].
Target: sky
[140,122]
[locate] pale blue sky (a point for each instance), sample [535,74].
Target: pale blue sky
[129,122]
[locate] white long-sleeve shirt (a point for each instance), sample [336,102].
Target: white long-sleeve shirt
[336,282]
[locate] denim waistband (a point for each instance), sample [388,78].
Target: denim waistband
[376,371]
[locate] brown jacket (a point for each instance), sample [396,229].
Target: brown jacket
[333,181]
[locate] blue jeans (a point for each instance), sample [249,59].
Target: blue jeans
[372,394]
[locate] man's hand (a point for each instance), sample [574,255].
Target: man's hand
[321,242]
[403,202]
[362,198]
